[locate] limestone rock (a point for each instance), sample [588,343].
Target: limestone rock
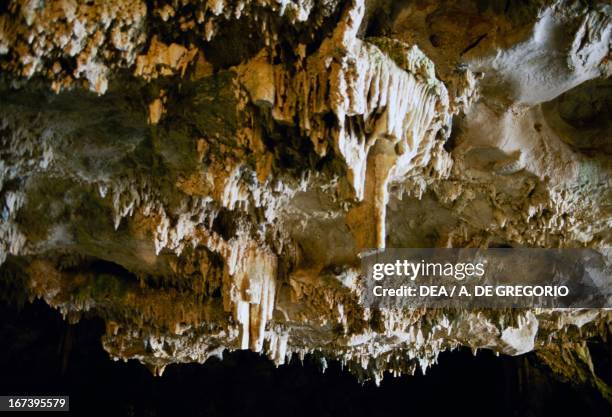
[203,174]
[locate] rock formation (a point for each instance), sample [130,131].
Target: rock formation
[203,174]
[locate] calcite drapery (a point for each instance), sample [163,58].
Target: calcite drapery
[214,186]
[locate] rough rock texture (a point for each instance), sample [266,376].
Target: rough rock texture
[203,174]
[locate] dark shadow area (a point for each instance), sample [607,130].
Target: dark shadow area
[42,354]
[581,117]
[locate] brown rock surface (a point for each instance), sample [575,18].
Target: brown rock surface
[203,174]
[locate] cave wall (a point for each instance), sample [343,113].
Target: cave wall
[203,174]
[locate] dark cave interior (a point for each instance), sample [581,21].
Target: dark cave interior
[43,354]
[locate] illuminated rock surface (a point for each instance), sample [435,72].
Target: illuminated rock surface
[202,175]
